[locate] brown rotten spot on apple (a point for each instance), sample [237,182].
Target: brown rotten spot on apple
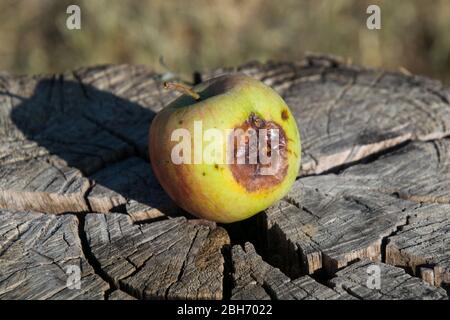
[250,143]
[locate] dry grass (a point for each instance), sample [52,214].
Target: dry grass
[201,34]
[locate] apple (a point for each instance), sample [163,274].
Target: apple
[225,149]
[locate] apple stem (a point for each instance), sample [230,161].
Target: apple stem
[181,88]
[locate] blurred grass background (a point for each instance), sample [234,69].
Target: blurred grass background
[202,34]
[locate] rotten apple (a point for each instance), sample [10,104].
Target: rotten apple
[226,149]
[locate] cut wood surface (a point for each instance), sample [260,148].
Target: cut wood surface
[256,279]
[330,220]
[135,189]
[172,259]
[39,254]
[120,295]
[77,189]
[394,284]
[327,232]
[422,245]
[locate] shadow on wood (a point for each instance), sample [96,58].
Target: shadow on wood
[76,125]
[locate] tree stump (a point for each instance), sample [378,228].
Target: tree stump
[78,197]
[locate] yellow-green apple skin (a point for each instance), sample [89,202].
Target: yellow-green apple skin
[211,191]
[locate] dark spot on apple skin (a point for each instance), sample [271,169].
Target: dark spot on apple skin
[216,166]
[249,175]
[180,122]
[204,174]
[284,115]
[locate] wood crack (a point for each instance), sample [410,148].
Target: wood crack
[90,257]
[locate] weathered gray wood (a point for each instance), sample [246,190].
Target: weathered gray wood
[321,231]
[329,220]
[120,295]
[169,259]
[422,245]
[77,142]
[50,110]
[346,112]
[13,150]
[42,184]
[255,279]
[132,185]
[419,172]
[395,283]
[38,255]
[86,120]
[134,95]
